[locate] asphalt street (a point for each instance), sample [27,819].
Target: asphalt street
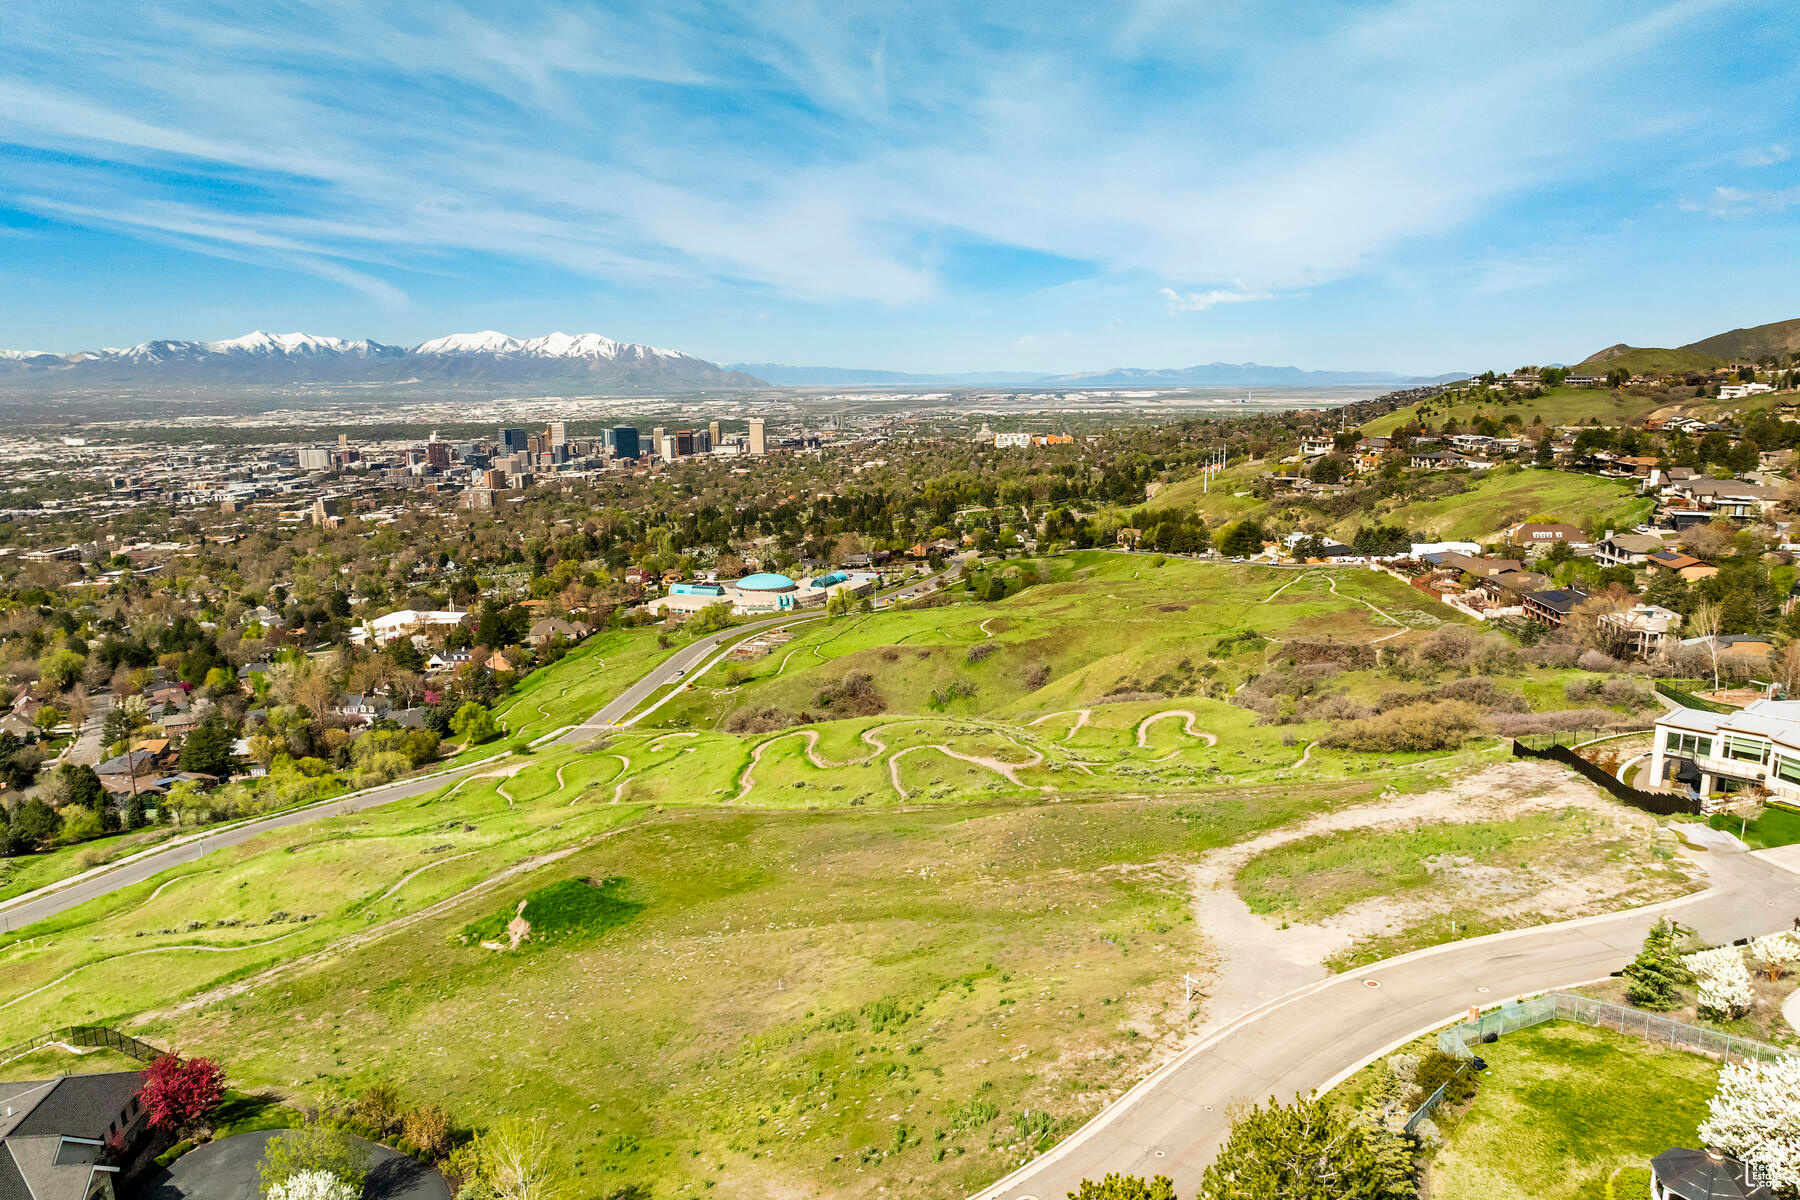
[48,902]
[1174,1122]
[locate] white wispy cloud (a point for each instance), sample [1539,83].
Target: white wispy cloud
[815,149]
[1728,202]
[1180,302]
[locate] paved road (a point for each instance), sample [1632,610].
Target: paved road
[229,1169]
[1174,1121]
[37,906]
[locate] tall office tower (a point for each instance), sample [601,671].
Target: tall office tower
[312,458]
[666,447]
[757,444]
[712,434]
[624,441]
[437,454]
[513,439]
[656,441]
[703,440]
[684,443]
[343,441]
[559,433]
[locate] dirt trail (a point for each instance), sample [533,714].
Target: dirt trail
[1254,960]
[1081,718]
[376,933]
[412,875]
[200,946]
[1380,612]
[1187,727]
[1008,771]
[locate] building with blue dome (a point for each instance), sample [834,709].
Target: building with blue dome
[765,593]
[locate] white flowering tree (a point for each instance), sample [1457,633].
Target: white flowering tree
[1774,955]
[314,1185]
[1725,988]
[1755,1118]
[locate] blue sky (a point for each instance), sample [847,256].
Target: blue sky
[1420,186]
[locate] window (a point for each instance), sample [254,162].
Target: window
[1787,769]
[1745,749]
[1689,745]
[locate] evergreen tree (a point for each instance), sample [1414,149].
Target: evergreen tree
[1126,1187]
[1306,1150]
[207,749]
[1656,976]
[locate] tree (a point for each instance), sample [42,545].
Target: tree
[177,1093]
[1126,1187]
[428,1128]
[1306,1150]
[1704,623]
[1656,976]
[60,668]
[473,723]
[513,1160]
[1751,1118]
[1242,540]
[1774,955]
[35,824]
[1725,989]
[78,783]
[207,750]
[313,1148]
[314,1185]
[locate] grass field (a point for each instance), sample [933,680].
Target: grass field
[1571,1113]
[897,949]
[1502,498]
[1494,501]
[1558,406]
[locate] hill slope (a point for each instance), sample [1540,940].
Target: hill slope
[1777,337]
[1650,360]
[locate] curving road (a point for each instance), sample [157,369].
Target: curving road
[135,868]
[1173,1122]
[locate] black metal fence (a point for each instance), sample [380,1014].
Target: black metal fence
[1663,804]
[1687,699]
[84,1035]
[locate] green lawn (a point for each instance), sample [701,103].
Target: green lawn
[1776,827]
[1571,1113]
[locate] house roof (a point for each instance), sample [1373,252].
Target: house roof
[1561,600]
[1635,543]
[1695,1175]
[67,1106]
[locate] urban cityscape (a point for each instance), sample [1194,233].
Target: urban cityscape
[1147,602]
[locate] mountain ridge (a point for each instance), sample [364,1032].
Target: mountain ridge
[277,358]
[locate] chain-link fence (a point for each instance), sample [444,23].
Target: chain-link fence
[1585,1010]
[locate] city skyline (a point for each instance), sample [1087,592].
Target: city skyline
[1414,187]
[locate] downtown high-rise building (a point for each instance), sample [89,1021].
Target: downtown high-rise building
[758,444]
[559,433]
[622,440]
[657,438]
[513,439]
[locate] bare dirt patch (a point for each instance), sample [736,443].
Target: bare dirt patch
[1255,959]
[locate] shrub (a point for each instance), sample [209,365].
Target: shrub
[1037,675]
[379,1108]
[981,652]
[1595,660]
[178,1093]
[1445,725]
[428,1128]
[312,1148]
[1438,1069]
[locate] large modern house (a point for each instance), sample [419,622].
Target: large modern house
[54,1134]
[1757,746]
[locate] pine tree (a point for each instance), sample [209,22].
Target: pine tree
[1656,976]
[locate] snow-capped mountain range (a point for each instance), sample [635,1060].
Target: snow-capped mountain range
[275,358]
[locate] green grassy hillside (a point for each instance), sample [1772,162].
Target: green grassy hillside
[1558,406]
[1778,338]
[1652,360]
[1504,498]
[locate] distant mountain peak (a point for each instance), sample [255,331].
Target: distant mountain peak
[488,355]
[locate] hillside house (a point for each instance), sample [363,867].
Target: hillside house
[1641,631]
[1676,563]
[1554,606]
[1626,549]
[54,1132]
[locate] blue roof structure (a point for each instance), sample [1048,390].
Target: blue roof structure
[766,581]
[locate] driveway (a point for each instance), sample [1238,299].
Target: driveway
[226,1170]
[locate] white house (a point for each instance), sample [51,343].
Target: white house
[1757,746]
[394,625]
